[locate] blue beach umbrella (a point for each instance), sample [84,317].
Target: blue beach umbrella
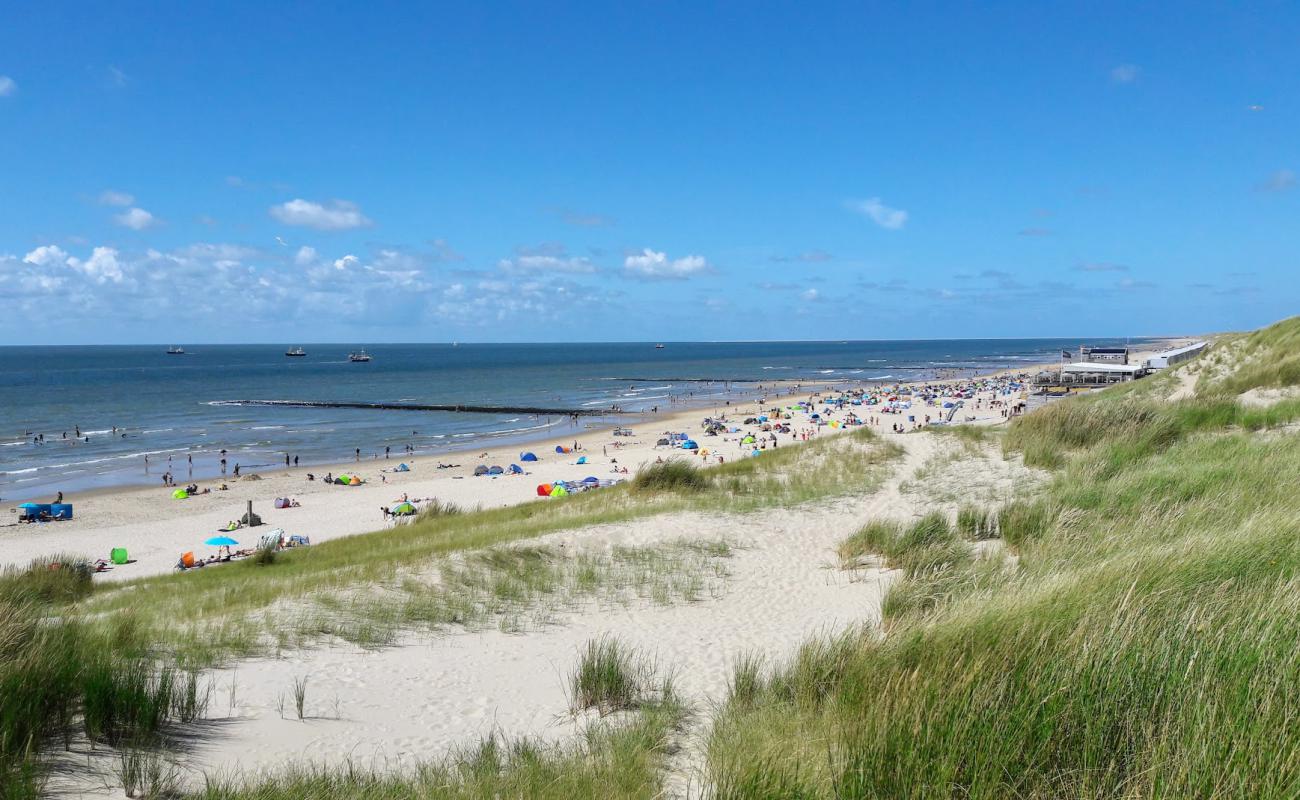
[221,541]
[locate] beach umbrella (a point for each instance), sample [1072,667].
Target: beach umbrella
[404,509]
[221,541]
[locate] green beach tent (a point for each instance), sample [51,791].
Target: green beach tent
[180,494]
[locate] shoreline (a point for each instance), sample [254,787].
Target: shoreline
[155,528]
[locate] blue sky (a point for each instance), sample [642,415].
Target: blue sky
[490,172]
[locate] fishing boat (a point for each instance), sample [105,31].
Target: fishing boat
[659,347]
[360,355]
[176,350]
[295,352]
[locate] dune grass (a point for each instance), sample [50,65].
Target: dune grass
[220,601]
[1144,643]
[61,680]
[611,676]
[673,475]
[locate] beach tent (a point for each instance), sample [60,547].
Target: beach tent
[180,494]
[591,480]
[355,481]
[527,457]
[543,490]
[403,510]
[495,470]
[480,470]
[582,460]
[515,469]
[403,468]
[281,502]
[661,441]
[561,449]
[558,490]
[747,440]
[690,444]
[342,480]
[118,555]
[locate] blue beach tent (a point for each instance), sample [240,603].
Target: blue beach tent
[495,470]
[527,457]
[515,469]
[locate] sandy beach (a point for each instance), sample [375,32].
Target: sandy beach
[156,528]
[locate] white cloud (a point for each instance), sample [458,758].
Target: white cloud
[7,86]
[811,295]
[110,197]
[46,256]
[881,214]
[337,215]
[346,262]
[1125,73]
[654,265]
[137,219]
[575,265]
[116,77]
[306,255]
[102,266]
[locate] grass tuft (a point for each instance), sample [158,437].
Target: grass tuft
[673,475]
[611,676]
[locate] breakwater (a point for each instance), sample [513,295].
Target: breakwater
[462,408]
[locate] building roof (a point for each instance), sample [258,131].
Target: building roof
[1177,351]
[1092,366]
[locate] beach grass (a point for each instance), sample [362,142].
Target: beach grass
[611,676]
[1142,644]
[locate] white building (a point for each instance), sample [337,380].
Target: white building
[1178,355]
[1094,373]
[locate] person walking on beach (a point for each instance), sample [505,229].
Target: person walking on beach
[358,454]
[295,461]
[386,450]
[236,470]
[223,463]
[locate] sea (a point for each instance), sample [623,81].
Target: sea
[74,418]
